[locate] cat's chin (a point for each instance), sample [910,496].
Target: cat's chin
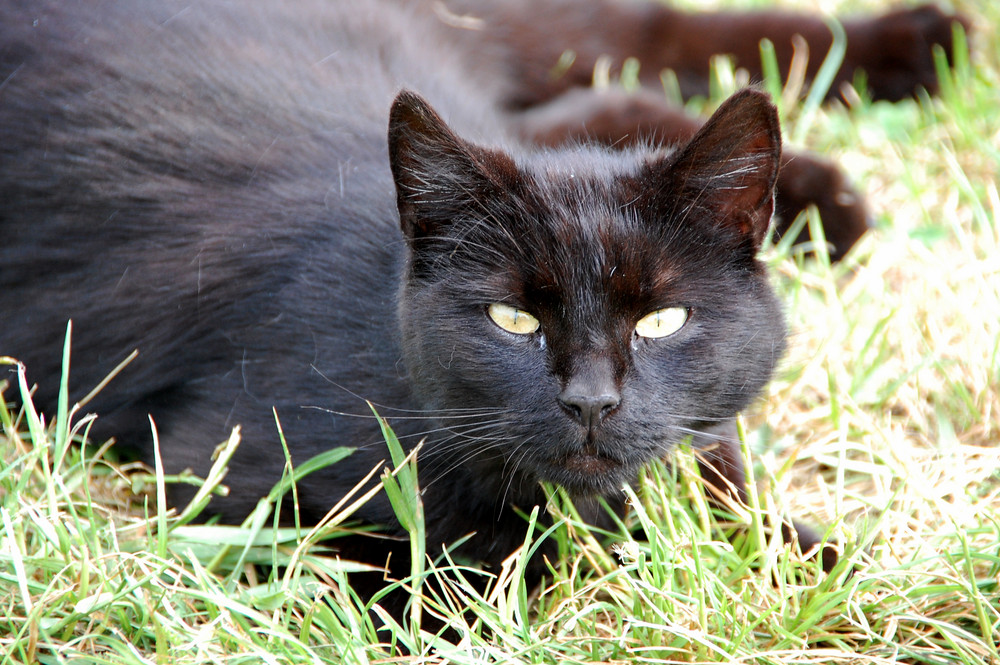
[585,464]
[585,473]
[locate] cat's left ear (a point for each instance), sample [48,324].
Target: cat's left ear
[726,173]
[439,177]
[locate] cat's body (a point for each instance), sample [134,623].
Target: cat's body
[211,184]
[286,296]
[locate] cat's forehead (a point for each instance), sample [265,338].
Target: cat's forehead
[586,194]
[589,235]
[593,194]
[584,168]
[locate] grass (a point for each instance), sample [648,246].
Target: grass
[882,424]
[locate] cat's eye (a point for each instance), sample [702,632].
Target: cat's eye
[512,319]
[662,322]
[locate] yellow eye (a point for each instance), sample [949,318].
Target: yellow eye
[513,320]
[662,322]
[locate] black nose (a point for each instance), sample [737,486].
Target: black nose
[591,393]
[590,410]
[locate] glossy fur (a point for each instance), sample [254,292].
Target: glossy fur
[241,192]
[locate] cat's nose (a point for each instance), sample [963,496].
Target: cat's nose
[590,410]
[591,394]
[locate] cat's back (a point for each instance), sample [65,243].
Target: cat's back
[200,179]
[216,93]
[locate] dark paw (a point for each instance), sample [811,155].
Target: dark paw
[896,50]
[809,180]
[811,545]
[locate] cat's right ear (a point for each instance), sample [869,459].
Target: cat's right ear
[726,173]
[439,177]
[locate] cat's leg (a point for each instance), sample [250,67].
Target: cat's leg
[616,118]
[720,461]
[553,46]
[895,49]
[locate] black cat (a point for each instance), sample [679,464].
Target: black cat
[212,184]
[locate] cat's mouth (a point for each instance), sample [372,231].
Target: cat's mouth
[590,463]
[584,469]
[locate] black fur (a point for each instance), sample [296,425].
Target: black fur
[235,219]
[212,184]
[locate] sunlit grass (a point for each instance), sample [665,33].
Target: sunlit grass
[883,424]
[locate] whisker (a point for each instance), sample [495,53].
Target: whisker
[426,413]
[379,406]
[475,452]
[525,451]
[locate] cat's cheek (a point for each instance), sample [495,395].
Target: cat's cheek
[513,365]
[676,381]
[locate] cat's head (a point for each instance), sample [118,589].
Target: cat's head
[570,315]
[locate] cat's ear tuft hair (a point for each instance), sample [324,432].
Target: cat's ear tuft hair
[729,168]
[439,177]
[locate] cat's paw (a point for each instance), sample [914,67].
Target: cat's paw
[896,49]
[806,179]
[811,544]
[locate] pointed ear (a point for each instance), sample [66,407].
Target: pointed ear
[730,166]
[439,177]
